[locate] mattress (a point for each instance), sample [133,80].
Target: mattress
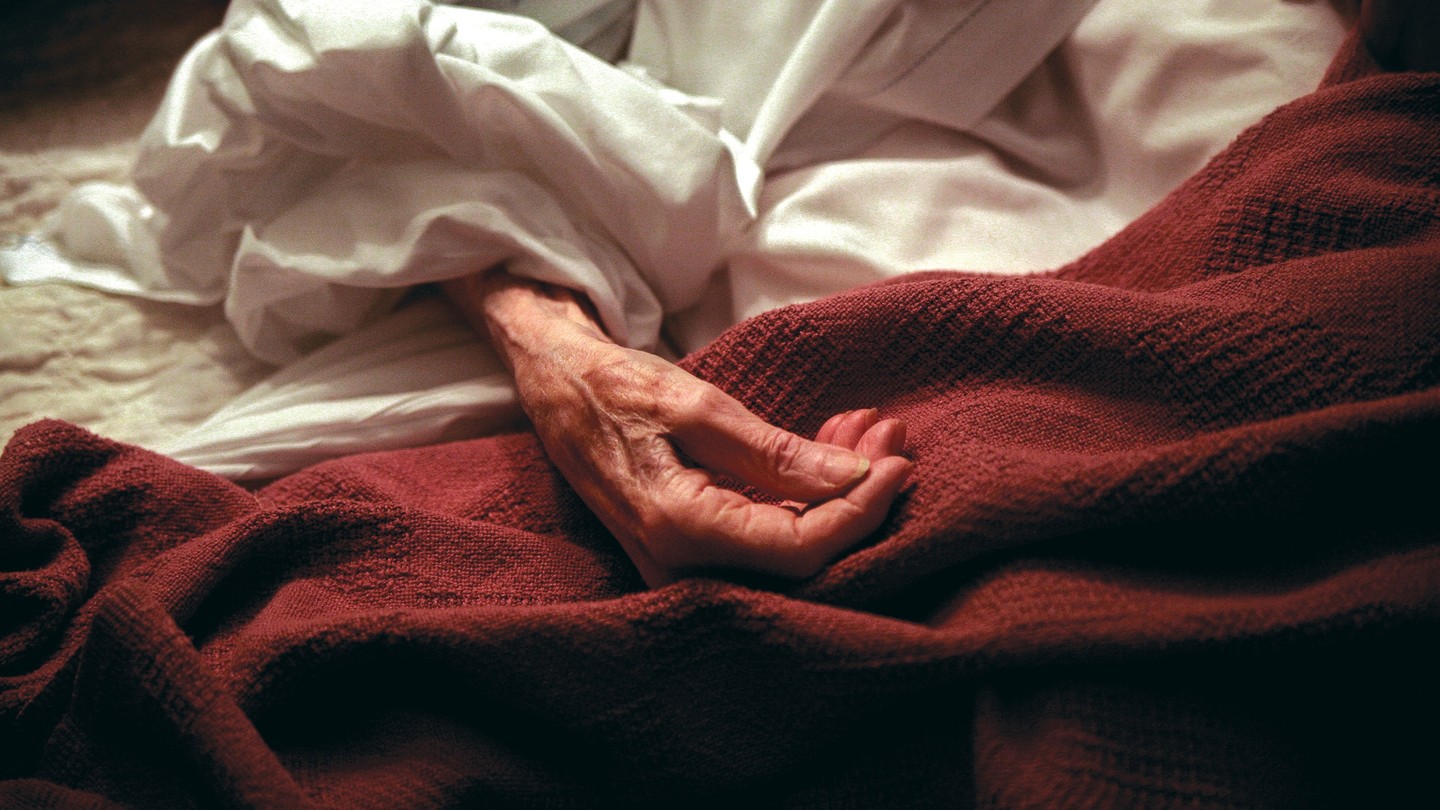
[126,367]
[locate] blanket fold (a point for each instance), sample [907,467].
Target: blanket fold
[1165,545]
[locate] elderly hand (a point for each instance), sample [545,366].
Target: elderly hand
[641,441]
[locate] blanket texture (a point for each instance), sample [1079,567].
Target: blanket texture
[1170,542]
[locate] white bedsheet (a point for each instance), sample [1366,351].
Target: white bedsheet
[309,165]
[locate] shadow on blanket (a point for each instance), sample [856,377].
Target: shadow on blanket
[1171,541]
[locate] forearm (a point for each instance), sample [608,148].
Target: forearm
[525,318]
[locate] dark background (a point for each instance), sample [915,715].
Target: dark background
[53,48]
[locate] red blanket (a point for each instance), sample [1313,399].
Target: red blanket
[1170,541]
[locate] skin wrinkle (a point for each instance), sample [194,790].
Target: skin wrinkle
[641,441]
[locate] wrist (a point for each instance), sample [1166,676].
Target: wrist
[527,318]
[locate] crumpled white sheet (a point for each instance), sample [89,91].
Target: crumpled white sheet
[309,164]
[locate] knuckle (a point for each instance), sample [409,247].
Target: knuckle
[783,449]
[695,402]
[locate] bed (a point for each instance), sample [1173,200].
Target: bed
[1164,545]
[84,79]
[1094,135]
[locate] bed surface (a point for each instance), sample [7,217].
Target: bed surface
[1163,545]
[147,372]
[1164,548]
[132,369]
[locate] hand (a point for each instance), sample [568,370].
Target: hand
[641,441]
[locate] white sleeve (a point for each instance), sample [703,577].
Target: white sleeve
[308,162]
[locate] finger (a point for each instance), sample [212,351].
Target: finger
[839,429]
[884,438]
[726,437]
[763,538]
[861,433]
[826,433]
[849,432]
[714,526]
[833,527]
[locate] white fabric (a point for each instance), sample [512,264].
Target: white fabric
[601,27]
[308,164]
[423,344]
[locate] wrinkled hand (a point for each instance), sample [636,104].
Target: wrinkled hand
[642,441]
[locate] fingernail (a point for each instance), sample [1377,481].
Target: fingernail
[845,468]
[896,437]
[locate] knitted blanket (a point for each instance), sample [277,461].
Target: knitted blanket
[1170,542]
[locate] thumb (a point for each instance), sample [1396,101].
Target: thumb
[729,439]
